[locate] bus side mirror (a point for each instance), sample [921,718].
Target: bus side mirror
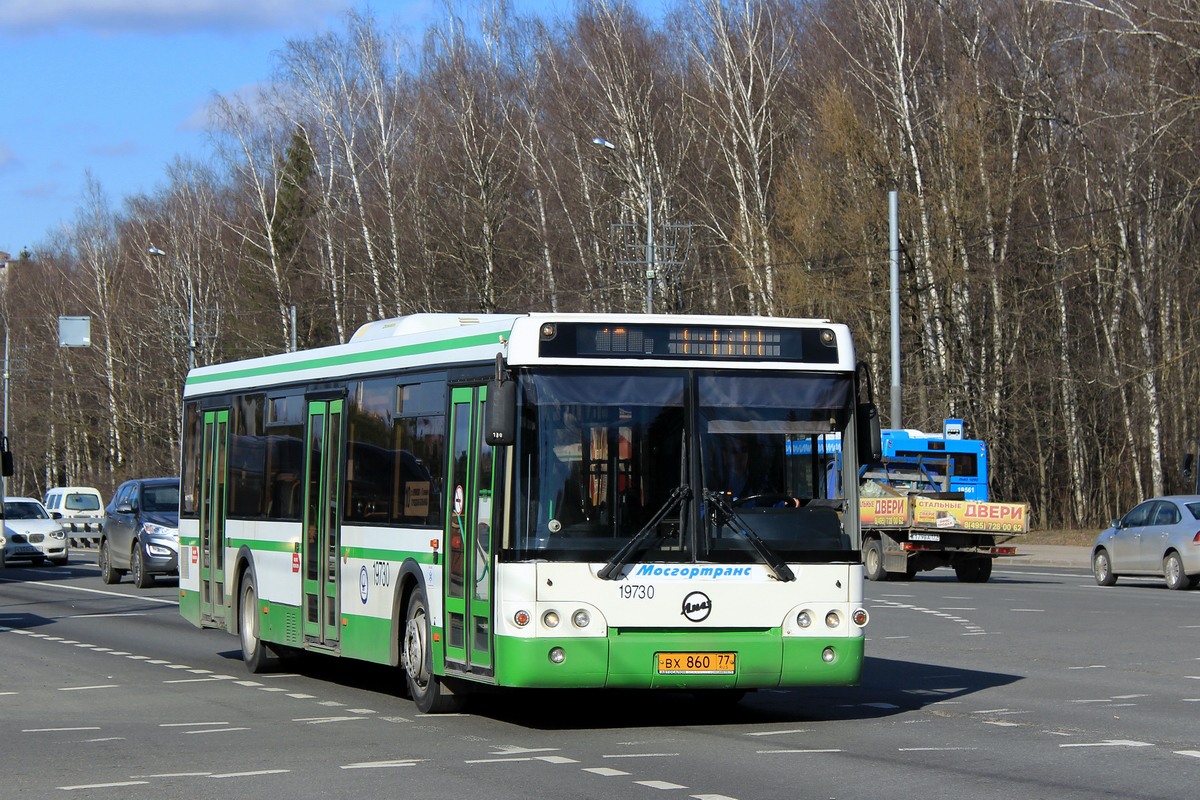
[501,413]
[870,438]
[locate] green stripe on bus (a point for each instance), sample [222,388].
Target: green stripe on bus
[375,554]
[343,359]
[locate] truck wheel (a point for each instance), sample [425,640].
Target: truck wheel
[873,560]
[975,570]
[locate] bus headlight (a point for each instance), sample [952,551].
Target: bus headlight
[557,656]
[804,618]
[550,619]
[828,655]
[833,619]
[581,618]
[521,618]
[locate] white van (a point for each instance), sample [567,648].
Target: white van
[80,510]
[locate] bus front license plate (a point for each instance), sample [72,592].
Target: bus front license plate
[697,663]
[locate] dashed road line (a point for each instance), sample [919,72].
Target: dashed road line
[660,785]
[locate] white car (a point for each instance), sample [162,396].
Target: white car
[30,534]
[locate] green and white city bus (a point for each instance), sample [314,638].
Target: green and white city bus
[535,500]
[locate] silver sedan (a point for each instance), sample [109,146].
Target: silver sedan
[1159,537]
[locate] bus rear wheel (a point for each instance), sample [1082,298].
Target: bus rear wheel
[428,691]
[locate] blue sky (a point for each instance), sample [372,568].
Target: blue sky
[120,87]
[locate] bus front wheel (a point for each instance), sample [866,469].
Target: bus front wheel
[428,691]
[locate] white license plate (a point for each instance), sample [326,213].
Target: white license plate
[924,537]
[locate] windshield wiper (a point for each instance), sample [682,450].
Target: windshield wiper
[612,568]
[778,567]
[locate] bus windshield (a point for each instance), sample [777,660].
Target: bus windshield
[603,452]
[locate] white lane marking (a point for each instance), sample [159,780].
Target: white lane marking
[86,688]
[659,785]
[606,772]
[783,752]
[1192,753]
[174,775]
[365,711]
[248,683]
[556,759]
[331,703]
[710,797]
[102,616]
[1029,610]
[189,725]
[779,733]
[214,730]
[932,749]
[641,755]
[1002,724]
[2,694]
[102,785]
[250,774]
[61,730]
[106,739]
[1109,743]
[399,762]
[323,720]
[498,760]
[514,749]
[301,695]
[1090,666]
[194,680]
[139,598]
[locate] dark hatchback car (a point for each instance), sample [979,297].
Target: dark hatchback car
[140,534]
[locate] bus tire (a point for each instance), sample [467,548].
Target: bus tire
[873,560]
[254,652]
[429,692]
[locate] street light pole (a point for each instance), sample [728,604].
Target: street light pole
[651,274]
[187,275]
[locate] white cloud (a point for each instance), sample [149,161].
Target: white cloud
[109,17]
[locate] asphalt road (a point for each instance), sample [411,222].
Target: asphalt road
[1038,684]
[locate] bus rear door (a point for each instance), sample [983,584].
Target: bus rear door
[320,547]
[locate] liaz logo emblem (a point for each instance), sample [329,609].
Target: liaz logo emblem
[697,606]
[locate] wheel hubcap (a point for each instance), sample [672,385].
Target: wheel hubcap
[249,635]
[414,650]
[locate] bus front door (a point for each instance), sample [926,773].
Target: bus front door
[320,547]
[469,548]
[212,516]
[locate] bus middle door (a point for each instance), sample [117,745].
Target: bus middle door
[321,545]
[214,451]
[469,526]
